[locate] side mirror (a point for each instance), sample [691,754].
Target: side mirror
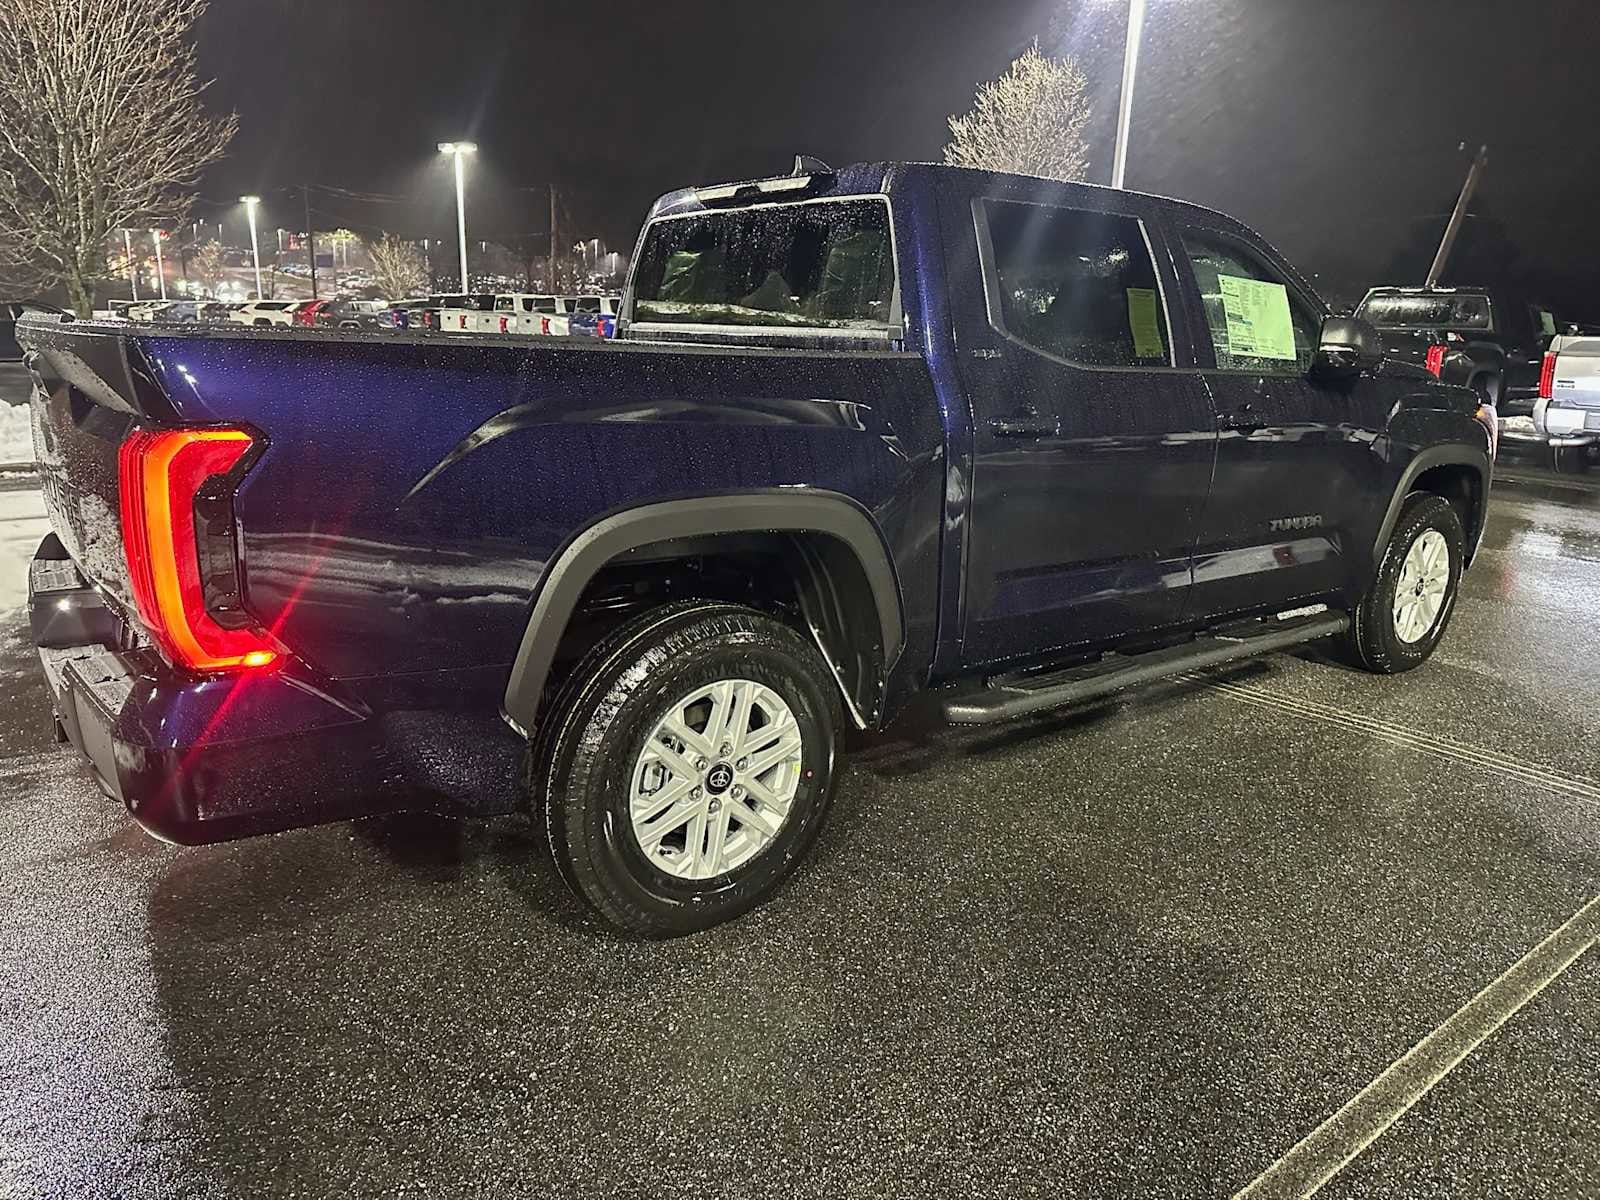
[1457,368]
[1347,347]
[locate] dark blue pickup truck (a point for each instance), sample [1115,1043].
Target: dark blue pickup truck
[863,434]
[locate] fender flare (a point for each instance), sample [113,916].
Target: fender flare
[1424,460]
[771,511]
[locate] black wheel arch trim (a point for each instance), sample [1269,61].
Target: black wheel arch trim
[780,511]
[1426,460]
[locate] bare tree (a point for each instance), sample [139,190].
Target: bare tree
[208,265]
[397,266]
[1031,121]
[101,128]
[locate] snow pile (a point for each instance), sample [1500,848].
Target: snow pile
[22,527]
[16,434]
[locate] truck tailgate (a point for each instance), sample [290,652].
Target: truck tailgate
[1577,375]
[85,400]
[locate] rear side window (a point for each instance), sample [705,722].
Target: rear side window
[1439,311]
[588,304]
[816,265]
[1077,285]
[504,304]
[1256,322]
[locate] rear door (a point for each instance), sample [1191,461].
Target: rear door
[1294,456]
[1093,438]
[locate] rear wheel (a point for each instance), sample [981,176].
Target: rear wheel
[687,766]
[1401,619]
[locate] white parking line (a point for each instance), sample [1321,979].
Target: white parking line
[1324,1152]
[1550,778]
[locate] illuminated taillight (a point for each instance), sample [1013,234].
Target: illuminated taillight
[1435,360]
[505,324]
[1547,378]
[163,477]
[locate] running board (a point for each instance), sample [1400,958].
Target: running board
[1005,697]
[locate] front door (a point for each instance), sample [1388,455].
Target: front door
[1092,450]
[1295,456]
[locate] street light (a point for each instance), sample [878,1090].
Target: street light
[250,203]
[1130,68]
[458,151]
[161,273]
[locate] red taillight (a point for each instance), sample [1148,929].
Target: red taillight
[463,319]
[505,324]
[1547,378]
[1435,360]
[544,326]
[161,477]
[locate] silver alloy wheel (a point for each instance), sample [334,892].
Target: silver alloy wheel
[1424,579]
[716,779]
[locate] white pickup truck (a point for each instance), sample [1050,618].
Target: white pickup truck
[1567,413]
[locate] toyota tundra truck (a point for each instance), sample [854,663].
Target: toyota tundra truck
[896,429]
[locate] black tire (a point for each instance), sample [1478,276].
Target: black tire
[1373,640]
[580,767]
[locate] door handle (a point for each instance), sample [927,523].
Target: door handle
[1025,425]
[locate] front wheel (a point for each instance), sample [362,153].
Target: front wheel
[687,766]
[1399,622]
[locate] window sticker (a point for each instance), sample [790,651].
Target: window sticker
[1145,323]
[1259,325]
[1547,322]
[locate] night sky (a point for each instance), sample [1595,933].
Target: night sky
[1331,127]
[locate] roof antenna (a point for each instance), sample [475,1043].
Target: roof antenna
[804,164]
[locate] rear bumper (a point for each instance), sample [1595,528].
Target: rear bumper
[197,760]
[1566,424]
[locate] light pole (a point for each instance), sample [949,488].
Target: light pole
[161,273]
[133,273]
[1130,68]
[458,151]
[250,203]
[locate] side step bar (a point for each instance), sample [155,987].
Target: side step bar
[1005,697]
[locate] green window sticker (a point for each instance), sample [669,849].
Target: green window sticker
[1547,322]
[1145,323]
[1259,325]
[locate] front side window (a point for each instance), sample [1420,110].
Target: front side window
[1077,285]
[820,265]
[1256,323]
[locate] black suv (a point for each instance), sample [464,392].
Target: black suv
[1504,334]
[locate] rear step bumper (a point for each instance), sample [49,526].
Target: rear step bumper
[207,759]
[1006,697]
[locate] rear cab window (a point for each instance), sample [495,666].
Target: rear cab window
[1077,285]
[815,266]
[1399,310]
[1257,320]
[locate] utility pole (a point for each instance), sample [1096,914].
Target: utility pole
[311,242]
[1448,243]
[1130,71]
[133,272]
[552,284]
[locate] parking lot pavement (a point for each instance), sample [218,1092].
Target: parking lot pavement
[1138,950]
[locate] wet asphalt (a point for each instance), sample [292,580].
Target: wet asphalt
[1139,950]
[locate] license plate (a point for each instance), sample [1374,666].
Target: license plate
[1591,420]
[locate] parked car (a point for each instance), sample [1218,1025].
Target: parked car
[641,584]
[460,313]
[1504,334]
[355,314]
[407,314]
[1567,413]
[266,312]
